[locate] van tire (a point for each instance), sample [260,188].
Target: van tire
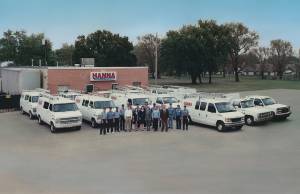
[52,128]
[93,123]
[30,115]
[40,120]
[22,111]
[220,126]
[249,120]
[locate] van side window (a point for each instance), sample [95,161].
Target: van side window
[29,98]
[203,106]
[26,97]
[257,102]
[130,101]
[91,104]
[211,108]
[46,105]
[83,102]
[197,105]
[86,103]
[159,101]
[50,107]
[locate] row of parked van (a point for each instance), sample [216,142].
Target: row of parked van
[68,109]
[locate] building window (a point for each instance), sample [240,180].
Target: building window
[89,88]
[137,84]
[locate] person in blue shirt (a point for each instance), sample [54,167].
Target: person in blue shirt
[178,116]
[171,111]
[110,119]
[155,117]
[117,120]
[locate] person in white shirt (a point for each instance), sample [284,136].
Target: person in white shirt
[128,118]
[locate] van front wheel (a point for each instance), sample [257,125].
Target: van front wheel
[52,128]
[220,126]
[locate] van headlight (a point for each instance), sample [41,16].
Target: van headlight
[33,109]
[228,120]
[99,117]
[57,120]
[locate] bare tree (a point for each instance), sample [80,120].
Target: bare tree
[241,40]
[145,50]
[280,51]
[263,54]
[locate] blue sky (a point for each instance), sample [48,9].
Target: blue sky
[63,20]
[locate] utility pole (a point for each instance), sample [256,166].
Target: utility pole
[32,62]
[156,53]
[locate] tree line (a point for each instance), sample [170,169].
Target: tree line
[204,48]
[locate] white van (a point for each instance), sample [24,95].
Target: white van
[214,112]
[279,111]
[58,112]
[165,99]
[135,99]
[253,114]
[92,107]
[28,102]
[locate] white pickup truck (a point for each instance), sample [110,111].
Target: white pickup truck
[253,114]
[214,112]
[28,102]
[92,107]
[279,111]
[58,112]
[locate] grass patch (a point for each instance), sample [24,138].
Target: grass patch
[229,85]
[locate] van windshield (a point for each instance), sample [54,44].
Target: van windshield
[104,104]
[64,107]
[247,104]
[268,101]
[224,107]
[139,101]
[34,99]
[169,100]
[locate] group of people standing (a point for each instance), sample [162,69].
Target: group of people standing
[143,118]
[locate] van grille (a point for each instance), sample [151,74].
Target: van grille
[69,120]
[234,120]
[265,115]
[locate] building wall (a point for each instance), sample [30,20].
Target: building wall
[77,78]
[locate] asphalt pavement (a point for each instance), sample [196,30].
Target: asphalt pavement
[263,159]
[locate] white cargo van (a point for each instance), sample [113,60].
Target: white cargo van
[135,99]
[214,112]
[92,107]
[28,102]
[279,111]
[165,99]
[253,114]
[58,112]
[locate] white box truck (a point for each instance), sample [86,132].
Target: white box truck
[15,80]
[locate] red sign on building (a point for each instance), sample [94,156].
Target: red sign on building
[103,76]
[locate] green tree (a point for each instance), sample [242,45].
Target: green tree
[280,52]
[241,40]
[263,54]
[64,55]
[107,48]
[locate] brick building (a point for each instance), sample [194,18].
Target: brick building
[99,78]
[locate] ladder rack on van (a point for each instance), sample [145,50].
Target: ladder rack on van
[208,95]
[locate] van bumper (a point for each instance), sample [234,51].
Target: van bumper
[68,125]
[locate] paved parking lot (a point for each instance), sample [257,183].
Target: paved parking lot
[262,159]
